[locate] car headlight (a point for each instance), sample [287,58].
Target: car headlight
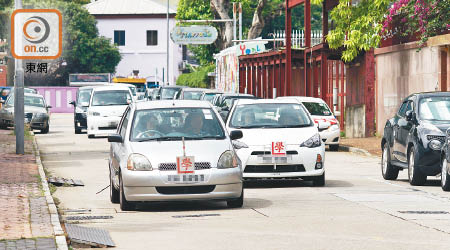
[238,145]
[79,110]
[312,142]
[435,145]
[334,127]
[228,160]
[138,162]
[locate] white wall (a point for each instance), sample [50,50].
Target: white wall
[136,55]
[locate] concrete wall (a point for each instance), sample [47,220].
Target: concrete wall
[401,71]
[355,125]
[136,55]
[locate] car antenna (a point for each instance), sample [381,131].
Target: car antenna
[184,146]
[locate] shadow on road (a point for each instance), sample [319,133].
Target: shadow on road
[260,184]
[429,183]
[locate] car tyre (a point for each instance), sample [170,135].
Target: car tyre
[445,177]
[45,130]
[388,171]
[114,194]
[319,181]
[124,204]
[236,203]
[334,147]
[415,176]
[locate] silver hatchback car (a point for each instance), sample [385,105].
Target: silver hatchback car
[173,150]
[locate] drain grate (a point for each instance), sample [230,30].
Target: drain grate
[57,181]
[90,236]
[424,212]
[195,215]
[89,217]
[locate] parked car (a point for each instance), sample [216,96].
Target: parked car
[36,113]
[173,150]
[280,140]
[320,111]
[106,108]
[414,137]
[81,104]
[169,92]
[445,159]
[190,94]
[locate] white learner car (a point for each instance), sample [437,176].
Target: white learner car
[106,108]
[173,150]
[280,140]
[320,111]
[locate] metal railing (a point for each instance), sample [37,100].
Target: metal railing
[297,39]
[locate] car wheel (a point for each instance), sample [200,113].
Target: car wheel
[319,181]
[416,178]
[388,171]
[45,130]
[334,147]
[91,136]
[124,204]
[236,203]
[445,177]
[114,194]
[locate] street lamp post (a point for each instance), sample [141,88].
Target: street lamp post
[19,118]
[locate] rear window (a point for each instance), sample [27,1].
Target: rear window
[316,108]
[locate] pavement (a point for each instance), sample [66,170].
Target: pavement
[25,221]
[357,209]
[372,145]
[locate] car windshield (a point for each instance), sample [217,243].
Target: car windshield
[34,101]
[435,108]
[176,123]
[84,95]
[192,95]
[229,101]
[168,93]
[111,97]
[317,108]
[209,97]
[270,115]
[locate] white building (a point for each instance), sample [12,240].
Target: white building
[139,28]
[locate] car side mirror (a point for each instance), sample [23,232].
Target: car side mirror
[49,107]
[115,138]
[410,115]
[323,125]
[73,103]
[236,134]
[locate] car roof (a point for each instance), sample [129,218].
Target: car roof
[428,94]
[193,90]
[173,87]
[303,98]
[33,95]
[111,87]
[262,101]
[86,87]
[235,94]
[173,104]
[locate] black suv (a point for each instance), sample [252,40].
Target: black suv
[414,137]
[80,107]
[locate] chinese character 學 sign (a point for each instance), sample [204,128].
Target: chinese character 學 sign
[185,164]
[278,148]
[36,34]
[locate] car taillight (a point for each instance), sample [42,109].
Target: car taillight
[332,121]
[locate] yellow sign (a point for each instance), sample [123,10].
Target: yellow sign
[129,80]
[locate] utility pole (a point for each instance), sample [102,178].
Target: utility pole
[19,118]
[167,69]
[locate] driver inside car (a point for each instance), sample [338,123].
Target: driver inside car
[148,126]
[194,123]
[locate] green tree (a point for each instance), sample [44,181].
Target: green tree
[357,27]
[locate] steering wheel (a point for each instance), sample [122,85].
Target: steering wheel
[148,132]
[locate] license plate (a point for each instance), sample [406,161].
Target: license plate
[191,178]
[274,159]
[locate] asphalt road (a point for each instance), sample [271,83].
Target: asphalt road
[356,209]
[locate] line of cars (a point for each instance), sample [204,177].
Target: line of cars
[417,139]
[195,144]
[36,110]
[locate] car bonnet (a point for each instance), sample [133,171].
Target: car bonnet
[291,136]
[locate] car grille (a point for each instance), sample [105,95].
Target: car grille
[436,137]
[173,166]
[270,168]
[293,152]
[186,189]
